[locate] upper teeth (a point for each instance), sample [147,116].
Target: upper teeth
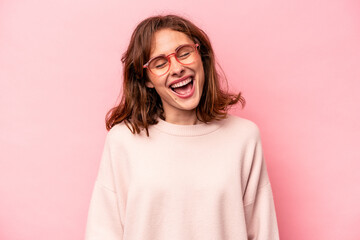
[180,84]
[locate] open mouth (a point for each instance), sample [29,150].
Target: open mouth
[184,87]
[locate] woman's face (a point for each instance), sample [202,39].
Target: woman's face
[177,100]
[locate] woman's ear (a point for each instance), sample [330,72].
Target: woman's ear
[149,84]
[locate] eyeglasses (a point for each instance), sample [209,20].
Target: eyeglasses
[184,54]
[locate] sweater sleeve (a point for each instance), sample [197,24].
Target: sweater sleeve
[259,205]
[104,220]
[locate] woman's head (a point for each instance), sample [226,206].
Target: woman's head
[175,70]
[147,96]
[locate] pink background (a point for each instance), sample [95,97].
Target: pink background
[296,62]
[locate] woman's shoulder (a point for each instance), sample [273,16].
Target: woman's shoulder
[117,128]
[242,125]
[120,131]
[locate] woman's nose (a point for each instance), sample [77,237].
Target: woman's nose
[176,68]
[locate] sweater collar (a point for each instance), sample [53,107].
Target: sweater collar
[187,130]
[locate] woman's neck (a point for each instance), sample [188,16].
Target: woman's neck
[182,119]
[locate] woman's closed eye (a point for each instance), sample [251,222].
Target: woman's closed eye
[161,65]
[184,55]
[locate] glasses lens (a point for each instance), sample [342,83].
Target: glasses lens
[159,65]
[186,54]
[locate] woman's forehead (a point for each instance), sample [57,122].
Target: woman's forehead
[165,41]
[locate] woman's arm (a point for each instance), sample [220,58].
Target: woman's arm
[104,217]
[259,206]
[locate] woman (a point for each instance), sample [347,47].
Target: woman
[175,165]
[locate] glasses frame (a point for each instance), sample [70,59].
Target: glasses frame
[195,46]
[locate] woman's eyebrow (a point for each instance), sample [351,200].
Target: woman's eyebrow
[163,54]
[180,46]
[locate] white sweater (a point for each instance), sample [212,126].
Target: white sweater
[184,182]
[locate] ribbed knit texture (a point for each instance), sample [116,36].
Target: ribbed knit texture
[184,182]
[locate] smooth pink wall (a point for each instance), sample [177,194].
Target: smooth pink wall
[296,62]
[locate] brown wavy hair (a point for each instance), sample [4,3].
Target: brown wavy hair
[141,106]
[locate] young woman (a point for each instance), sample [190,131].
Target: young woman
[175,165]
